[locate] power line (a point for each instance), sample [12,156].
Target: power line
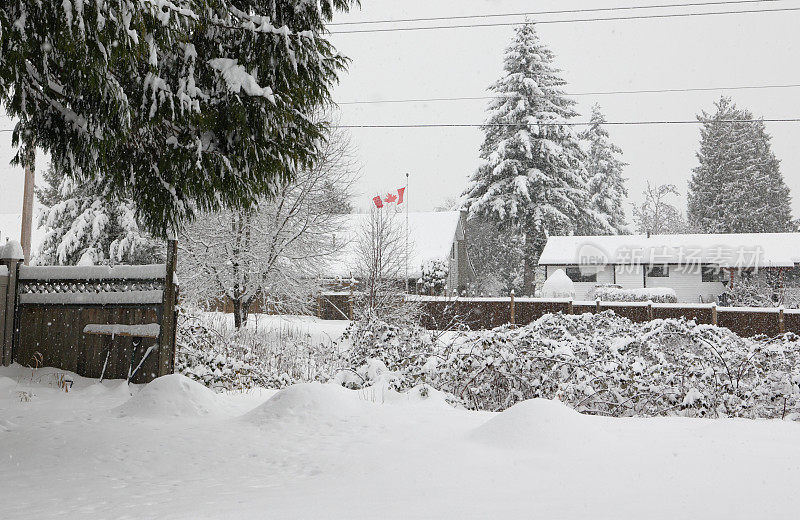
[560,11]
[599,93]
[583,123]
[572,20]
[568,123]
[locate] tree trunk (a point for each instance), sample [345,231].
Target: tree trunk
[239,313]
[534,243]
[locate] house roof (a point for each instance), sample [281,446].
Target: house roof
[430,237]
[725,250]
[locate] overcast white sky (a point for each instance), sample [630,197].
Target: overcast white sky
[711,51]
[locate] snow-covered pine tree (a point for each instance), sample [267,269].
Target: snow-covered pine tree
[183,106]
[607,190]
[738,186]
[77,221]
[532,178]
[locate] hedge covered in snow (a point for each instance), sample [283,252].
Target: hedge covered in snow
[599,364]
[650,294]
[596,363]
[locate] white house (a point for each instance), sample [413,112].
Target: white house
[697,267]
[436,235]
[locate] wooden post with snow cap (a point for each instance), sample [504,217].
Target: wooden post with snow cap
[169,316]
[11,256]
[571,308]
[597,305]
[781,322]
[714,319]
[650,310]
[513,318]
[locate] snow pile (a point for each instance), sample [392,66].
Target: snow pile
[558,285]
[309,402]
[171,396]
[12,250]
[538,423]
[649,294]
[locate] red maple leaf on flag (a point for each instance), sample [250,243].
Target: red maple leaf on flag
[390,197]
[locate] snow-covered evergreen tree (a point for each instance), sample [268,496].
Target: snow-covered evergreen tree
[607,190]
[738,186]
[532,177]
[80,224]
[183,106]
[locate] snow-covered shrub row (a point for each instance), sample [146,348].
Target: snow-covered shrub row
[606,364]
[223,358]
[599,364]
[651,294]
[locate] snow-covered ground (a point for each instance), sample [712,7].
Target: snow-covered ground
[174,449]
[325,332]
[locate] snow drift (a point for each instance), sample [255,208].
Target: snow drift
[173,395]
[311,402]
[540,423]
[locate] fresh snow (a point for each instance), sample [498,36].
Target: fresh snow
[11,250]
[93,272]
[173,450]
[147,330]
[558,285]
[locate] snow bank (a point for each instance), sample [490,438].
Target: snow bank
[171,396]
[312,402]
[12,250]
[558,285]
[542,423]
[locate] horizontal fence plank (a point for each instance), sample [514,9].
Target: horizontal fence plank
[93,298]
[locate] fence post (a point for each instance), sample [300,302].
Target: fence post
[571,307]
[597,306]
[714,320]
[169,315]
[650,310]
[513,318]
[781,322]
[11,257]
[350,301]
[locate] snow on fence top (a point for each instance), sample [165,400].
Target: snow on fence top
[3,270]
[146,330]
[723,250]
[93,272]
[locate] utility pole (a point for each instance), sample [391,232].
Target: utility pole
[29,162]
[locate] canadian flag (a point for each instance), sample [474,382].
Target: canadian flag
[395,197]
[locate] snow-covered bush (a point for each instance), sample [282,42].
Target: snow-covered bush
[558,285]
[378,350]
[214,353]
[605,364]
[651,294]
[434,277]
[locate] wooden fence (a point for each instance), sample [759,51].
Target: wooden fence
[440,313]
[95,321]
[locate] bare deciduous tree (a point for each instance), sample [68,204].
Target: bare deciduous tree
[276,251]
[657,216]
[380,257]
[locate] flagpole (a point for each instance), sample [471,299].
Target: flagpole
[406,201]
